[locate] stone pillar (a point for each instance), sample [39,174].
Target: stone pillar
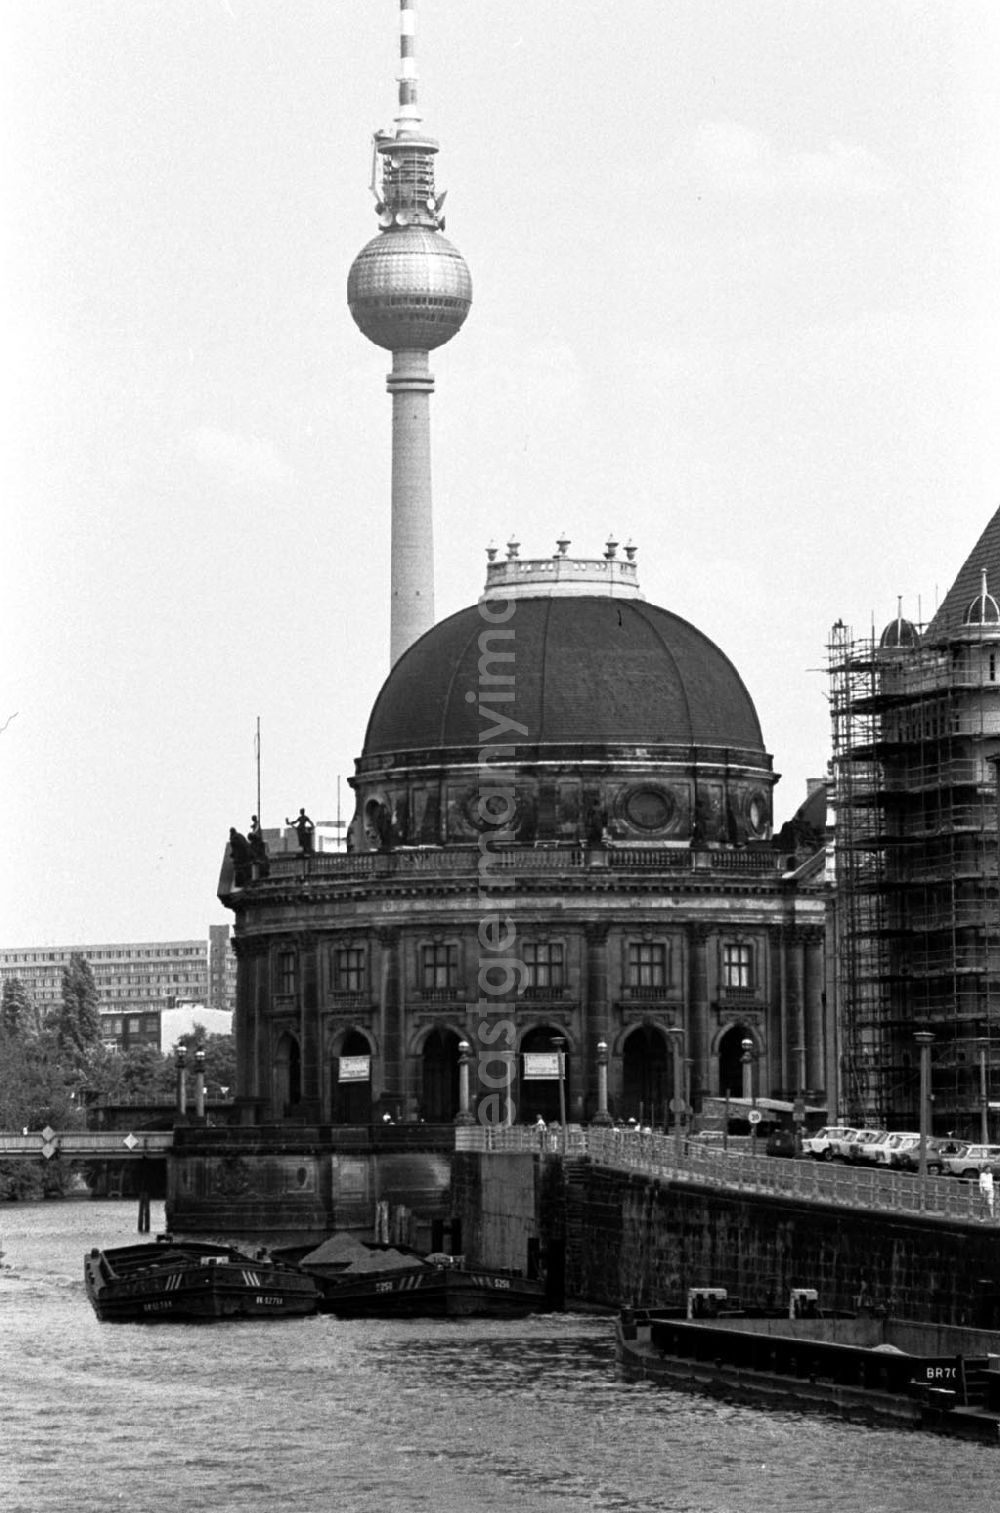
[393,1092]
[795,1008]
[244,1019]
[704,1077]
[308,978]
[816,1076]
[597,1017]
[411,385]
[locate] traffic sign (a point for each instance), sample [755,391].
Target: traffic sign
[754,1116]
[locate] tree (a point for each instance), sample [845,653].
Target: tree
[16,1009]
[220,1058]
[78,1026]
[34,1088]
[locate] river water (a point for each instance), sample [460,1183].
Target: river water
[473,1416]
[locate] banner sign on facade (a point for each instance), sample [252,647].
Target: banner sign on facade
[539,1064]
[354,1069]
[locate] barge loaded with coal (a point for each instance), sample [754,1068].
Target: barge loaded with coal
[883,1370]
[186,1281]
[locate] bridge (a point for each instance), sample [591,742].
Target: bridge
[739,1170]
[81,1143]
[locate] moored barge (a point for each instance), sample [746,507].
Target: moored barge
[358,1280]
[885,1371]
[188,1281]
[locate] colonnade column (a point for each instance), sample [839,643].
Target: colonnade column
[309,1023]
[704,1081]
[596,1020]
[391,1091]
[816,1075]
[793,952]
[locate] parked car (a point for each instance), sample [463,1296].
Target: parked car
[840,1145]
[864,1145]
[970,1160]
[819,1145]
[897,1148]
[938,1150]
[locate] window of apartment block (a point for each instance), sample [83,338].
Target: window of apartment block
[438,967]
[286,972]
[543,963]
[349,969]
[646,966]
[737,965]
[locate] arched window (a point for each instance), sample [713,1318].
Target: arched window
[540,1095]
[439,1090]
[287,1076]
[351,1100]
[646,1083]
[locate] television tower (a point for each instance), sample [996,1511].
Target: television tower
[409,290]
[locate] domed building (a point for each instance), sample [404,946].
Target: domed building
[562,839]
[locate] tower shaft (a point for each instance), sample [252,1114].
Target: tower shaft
[411,610]
[409,292]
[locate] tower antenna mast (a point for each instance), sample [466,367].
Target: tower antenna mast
[409,291]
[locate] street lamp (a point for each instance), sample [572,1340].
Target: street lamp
[749,1091]
[676,1033]
[601,1116]
[199,1085]
[924,1040]
[181,1082]
[747,1060]
[559,1041]
[464,1115]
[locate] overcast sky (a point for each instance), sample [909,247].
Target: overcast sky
[736,296]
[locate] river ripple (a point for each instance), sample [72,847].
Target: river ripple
[472,1416]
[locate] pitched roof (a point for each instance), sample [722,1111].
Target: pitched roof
[966,587]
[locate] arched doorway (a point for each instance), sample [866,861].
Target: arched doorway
[287,1076]
[646,1083]
[439,1084]
[731,1061]
[351,1099]
[540,1095]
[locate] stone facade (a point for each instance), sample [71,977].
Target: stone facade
[562,840]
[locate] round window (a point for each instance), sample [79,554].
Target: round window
[649,808]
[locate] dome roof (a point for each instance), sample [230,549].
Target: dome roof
[585,670]
[984,609]
[409,287]
[898,633]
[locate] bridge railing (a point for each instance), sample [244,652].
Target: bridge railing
[858,1187]
[78,1142]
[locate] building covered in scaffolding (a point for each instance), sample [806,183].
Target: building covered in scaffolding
[916,742]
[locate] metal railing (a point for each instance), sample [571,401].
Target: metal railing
[857,1187]
[73,1143]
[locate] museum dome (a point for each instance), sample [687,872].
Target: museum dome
[573,660]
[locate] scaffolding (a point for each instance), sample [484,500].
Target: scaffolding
[915,742]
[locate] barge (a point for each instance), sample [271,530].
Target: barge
[186,1281]
[370,1281]
[884,1371]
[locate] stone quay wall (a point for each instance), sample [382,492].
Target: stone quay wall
[629,1238]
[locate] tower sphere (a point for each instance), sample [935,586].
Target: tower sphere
[409,288]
